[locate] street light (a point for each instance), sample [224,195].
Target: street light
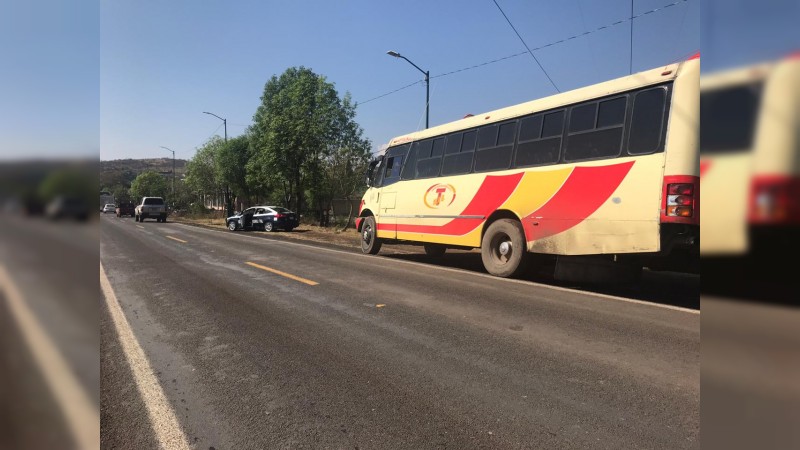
[224,122]
[427,83]
[173,174]
[228,205]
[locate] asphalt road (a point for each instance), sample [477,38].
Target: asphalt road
[49,334]
[247,341]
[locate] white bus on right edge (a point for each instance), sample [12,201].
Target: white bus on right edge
[749,165]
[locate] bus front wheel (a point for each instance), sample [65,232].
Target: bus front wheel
[370,243]
[503,249]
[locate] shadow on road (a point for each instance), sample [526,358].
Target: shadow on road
[667,288]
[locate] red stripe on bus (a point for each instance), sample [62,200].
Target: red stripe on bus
[584,191]
[494,191]
[704,165]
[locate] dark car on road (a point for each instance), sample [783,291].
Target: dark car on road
[266,218]
[67,207]
[126,209]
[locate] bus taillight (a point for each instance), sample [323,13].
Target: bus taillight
[774,199]
[681,200]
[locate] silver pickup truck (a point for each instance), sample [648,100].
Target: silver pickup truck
[151,208]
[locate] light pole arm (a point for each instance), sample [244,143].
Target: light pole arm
[427,84]
[416,66]
[224,122]
[218,117]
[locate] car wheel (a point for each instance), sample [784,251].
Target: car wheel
[268,226]
[370,243]
[435,250]
[289,228]
[232,225]
[503,249]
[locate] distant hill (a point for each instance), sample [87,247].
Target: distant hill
[123,171]
[141,165]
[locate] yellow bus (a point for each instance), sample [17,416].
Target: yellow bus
[750,159]
[597,179]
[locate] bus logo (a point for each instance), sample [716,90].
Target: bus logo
[440,196]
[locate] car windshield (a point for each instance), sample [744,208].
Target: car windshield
[154,201]
[281,210]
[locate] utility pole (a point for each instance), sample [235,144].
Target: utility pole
[173,175]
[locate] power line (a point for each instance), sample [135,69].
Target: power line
[560,41]
[392,92]
[526,46]
[630,63]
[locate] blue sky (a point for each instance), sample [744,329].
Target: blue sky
[164,63]
[120,79]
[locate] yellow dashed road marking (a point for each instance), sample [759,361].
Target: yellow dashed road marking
[284,274]
[175,239]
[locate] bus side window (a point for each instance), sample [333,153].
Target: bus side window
[394,164]
[592,137]
[458,154]
[495,146]
[429,167]
[378,174]
[409,168]
[647,123]
[540,139]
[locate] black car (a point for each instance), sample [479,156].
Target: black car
[266,218]
[66,207]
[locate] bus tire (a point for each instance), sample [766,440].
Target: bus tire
[435,250]
[370,243]
[504,249]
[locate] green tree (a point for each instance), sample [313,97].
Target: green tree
[148,184]
[231,167]
[121,193]
[74,182]
[347,163]
[201,170]
[300,123]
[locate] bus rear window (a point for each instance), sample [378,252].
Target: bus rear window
[728,118]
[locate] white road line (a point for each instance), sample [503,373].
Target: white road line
[162,417]
[450,269]
[80,415]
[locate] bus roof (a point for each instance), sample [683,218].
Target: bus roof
[628,82]
[737,76]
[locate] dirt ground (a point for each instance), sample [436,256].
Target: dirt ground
[348,238]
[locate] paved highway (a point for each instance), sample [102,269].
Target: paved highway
[49,334]
[213,339]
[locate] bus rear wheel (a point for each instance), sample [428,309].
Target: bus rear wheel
[370,243]
[435,250]
[503,249]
